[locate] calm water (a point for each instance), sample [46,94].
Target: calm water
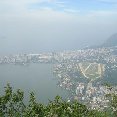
[35,77]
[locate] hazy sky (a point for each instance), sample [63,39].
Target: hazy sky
[50,25]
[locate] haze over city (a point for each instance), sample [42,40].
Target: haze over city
[54,25]
[58,58]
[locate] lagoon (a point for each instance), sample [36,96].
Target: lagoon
[35,77]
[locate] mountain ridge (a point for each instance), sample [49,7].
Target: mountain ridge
[111,41]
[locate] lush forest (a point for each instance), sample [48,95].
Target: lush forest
[12,105]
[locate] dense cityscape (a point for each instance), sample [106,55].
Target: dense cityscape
[103,55]
[79,72]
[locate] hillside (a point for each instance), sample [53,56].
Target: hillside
[111,41]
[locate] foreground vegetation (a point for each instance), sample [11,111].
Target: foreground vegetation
[12,105]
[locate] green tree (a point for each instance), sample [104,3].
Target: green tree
[12,105]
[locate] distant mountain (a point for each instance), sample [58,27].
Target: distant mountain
[111,41]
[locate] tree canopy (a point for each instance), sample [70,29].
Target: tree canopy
[12,105]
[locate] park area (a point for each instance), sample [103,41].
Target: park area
[91,70]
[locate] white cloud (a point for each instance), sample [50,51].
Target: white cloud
[71,11]
[19,4]
[20,8]
[102,13]
[108,1]
[60,4]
